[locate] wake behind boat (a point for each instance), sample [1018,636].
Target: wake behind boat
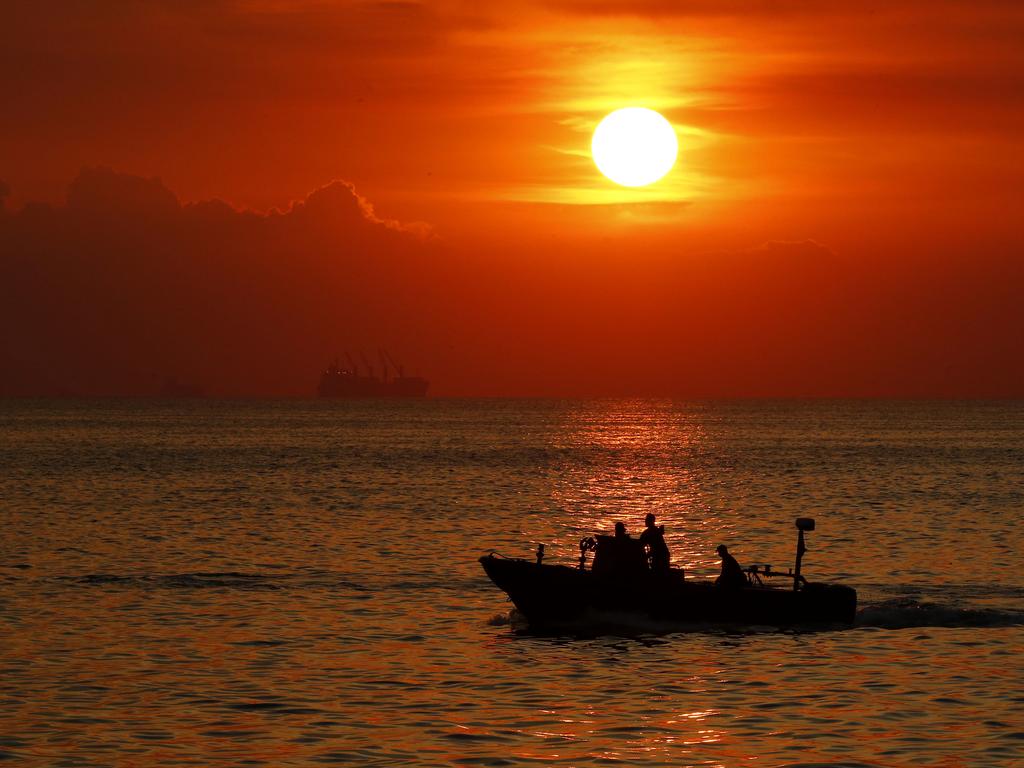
[619,585]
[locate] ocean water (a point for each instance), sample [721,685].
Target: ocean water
[296,583]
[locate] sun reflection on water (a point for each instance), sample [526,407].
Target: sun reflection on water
[636,458]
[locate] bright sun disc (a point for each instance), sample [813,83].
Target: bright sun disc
[634,146]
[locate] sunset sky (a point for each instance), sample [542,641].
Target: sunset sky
[230,192]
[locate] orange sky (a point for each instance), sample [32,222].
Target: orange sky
[844,218]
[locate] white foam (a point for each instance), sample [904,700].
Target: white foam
[902,613]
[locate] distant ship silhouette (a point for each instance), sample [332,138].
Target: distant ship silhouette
[348,382]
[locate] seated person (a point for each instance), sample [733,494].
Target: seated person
[732,575]
[619,554]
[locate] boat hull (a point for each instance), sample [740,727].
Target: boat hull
[557,595]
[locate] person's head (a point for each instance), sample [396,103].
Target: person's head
[649,520]
[722,550]
[620,529]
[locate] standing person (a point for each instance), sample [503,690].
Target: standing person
[732,575]
[653,538]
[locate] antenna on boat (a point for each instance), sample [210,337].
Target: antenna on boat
[802,524]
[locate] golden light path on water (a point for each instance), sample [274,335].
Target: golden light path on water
[648,456]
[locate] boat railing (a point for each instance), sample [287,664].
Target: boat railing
[495,553]
[589,544]
[757,572]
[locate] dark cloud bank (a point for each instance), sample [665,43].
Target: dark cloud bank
[124,286]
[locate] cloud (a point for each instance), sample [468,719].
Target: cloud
[772,9]
[333,202]
[794,249]
[123,285]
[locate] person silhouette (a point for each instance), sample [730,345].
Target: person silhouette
[732,576]
[653,538]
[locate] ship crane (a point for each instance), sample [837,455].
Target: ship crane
[366,363]
[350,382]
[396,366]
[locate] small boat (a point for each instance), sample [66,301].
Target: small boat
[620,589]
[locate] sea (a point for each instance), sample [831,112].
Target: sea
[296,583]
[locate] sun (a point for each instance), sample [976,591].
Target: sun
[634,146]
